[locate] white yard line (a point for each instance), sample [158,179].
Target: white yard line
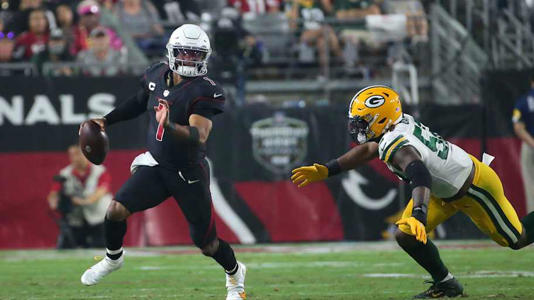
[478,274]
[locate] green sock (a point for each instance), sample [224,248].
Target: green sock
[528,225]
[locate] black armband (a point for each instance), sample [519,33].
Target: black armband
[194,137]
[420,213]
[418,174]
[333,167]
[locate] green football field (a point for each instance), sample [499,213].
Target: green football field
[287,271]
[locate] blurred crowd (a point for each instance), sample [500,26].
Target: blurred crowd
[105,34]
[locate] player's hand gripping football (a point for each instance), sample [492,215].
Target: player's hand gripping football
[305,175]
[417,228]
[162,113]
[100,121]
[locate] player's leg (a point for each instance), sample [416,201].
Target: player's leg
[490,210]
[427,255]
[143,190]
[527,168]
[191,190]
[527,171]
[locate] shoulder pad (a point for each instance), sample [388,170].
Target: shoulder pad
[390,143]
[210,88]
[155,69]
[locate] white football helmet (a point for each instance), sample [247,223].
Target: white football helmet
[188,51]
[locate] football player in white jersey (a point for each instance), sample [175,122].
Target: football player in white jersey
[444,180]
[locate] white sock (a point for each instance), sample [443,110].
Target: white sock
[449,276]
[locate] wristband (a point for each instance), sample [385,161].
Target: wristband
[333,167]
[420,214]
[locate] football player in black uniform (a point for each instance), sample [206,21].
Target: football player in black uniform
[181,102]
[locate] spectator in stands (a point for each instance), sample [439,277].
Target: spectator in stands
[234,50]
[141,21]
[56,51]
[65,20]
[33,41]
[416,23]
[256,7]
[178,11]
[89,12]
[351,11]
[101,59]
[307,16]
[19,20]
[523,119]
[7,13]
[81,194]
[7,44]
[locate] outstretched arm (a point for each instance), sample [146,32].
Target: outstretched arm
[358,156]
[127,110]
[354,158]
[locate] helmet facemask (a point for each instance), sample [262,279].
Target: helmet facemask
[188,61]
[360,128]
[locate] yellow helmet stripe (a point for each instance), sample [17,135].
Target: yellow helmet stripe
[393,146]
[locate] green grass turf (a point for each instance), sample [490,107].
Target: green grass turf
[307,271]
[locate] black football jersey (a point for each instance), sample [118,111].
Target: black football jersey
[193,95]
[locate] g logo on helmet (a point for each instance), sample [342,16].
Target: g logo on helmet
[374,101]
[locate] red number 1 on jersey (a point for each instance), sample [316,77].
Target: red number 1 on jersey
[161,128]
[162,113]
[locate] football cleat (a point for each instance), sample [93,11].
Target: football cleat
[235,284]
[450,288]
[95,273]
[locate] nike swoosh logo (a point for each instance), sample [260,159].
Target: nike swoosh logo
[187,180]
[215,95]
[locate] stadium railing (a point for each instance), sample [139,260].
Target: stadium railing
[22,68]
[54,69]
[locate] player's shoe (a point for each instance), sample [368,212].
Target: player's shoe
[95,273]
[450,288]
[235,284]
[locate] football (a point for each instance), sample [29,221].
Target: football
[94,142]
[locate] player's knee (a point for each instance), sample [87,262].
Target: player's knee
[210,248]
[404,239]
[117,212]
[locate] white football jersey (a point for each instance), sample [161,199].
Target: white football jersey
[448,164]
